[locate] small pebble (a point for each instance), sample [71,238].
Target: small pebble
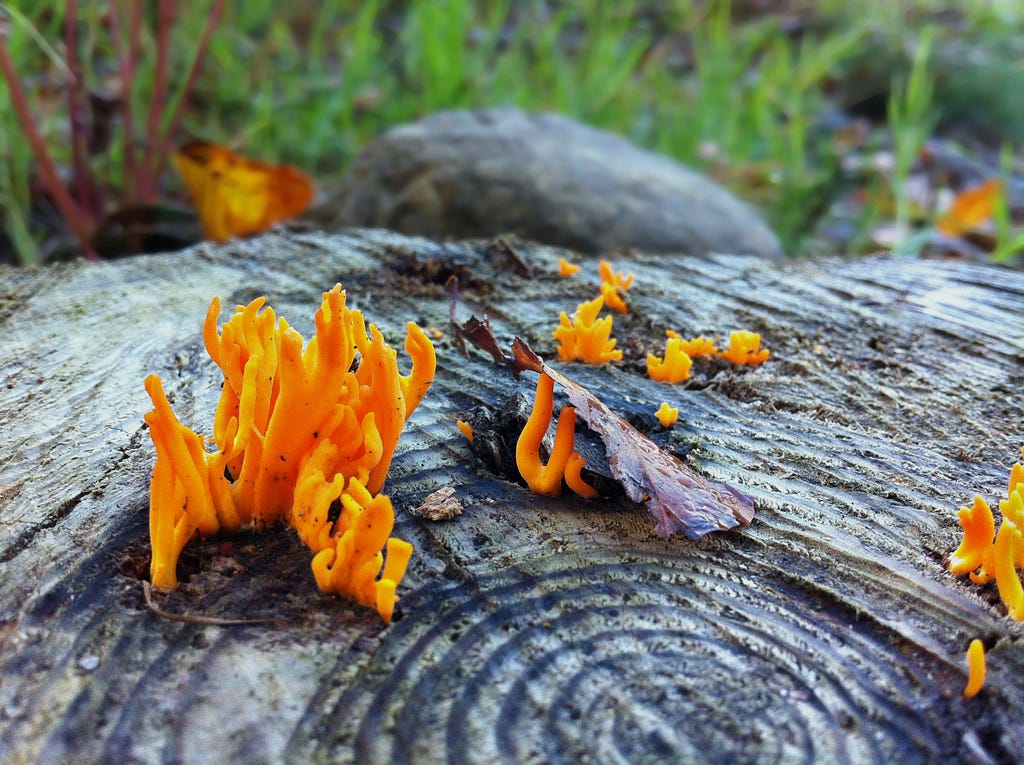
[89,663]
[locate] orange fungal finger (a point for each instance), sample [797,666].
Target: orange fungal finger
[975,668]
[565,268]
[574,477]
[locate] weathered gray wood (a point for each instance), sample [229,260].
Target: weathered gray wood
[534,630]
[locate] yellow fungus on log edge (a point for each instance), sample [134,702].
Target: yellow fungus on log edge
[695,347]
[617,279]
[563,461]
[667,415]
[975,668]
[565,268]
[612,299]
[585,337]
[1002,558]
[676,364]
[466,428]
[611,283]
[296,429]
[745,348]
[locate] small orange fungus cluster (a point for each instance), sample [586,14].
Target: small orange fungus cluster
[975,668]
[745,348]
[611,282]
[298,432]
[675,366]
[466,428]
[984,558]
[565,268]
[667,415]
[698,346]
[564,461]
[585,337]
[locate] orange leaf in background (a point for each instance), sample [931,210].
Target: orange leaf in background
[236,196]
[970,208]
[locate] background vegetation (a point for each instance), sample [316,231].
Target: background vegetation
[817,112]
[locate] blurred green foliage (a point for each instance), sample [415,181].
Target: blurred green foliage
[743,95]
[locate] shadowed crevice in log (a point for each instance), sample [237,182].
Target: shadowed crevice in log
[534,629]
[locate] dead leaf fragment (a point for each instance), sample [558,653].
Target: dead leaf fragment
[237,196]
[971,208]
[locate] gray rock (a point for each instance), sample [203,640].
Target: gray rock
[547,178]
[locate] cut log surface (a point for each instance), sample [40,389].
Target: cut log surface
[532,629]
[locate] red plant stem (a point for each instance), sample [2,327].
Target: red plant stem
[156,107]
[212,20]
[126,65]
[62,197]
[84,183]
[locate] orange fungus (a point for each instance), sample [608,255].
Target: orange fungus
[298,431]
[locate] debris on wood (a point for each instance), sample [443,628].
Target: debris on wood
[442,505]
[678,498]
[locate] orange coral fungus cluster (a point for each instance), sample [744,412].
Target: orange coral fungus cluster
[611,282]
[297,431]
[697,346]
[674,365]
[985,559]
[585,337]
[564,461]
[745,348]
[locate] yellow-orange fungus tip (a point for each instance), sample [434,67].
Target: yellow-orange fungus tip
[547,479]
[574,478]
[975,668]
[675,366]
[667,415]
[565,268]
[614,278]
[1002,559]
[466,428]
[612,299]
[699,346]
[1009,555]
[745,348]
[979,528]
[299,430]
[585,337]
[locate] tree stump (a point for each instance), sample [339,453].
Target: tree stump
[532,629]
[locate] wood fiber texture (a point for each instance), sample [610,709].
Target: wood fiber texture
[536,630]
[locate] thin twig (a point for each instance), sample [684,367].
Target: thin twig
[147,590]
[48,172]
[156,107]
[83,180]
[212,20]
[126,66]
